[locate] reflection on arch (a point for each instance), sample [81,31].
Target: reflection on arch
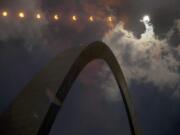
[35,109]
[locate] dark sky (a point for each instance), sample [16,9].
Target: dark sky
[94,105]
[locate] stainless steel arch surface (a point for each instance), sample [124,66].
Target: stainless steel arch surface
[34,110]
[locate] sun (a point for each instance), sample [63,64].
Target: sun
[146,18]
[21,14]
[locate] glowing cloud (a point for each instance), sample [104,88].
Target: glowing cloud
[146,59]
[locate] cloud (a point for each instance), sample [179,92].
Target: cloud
[178,24]
[147,59]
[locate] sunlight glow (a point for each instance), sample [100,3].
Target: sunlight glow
[4,13]
[149,29]
[56,17]
[74,18]
[110,19]
[146,19]
[38,16]
[21,15]
[91,18]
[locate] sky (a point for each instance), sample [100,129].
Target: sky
[148,52]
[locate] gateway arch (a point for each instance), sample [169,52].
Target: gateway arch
[34,110]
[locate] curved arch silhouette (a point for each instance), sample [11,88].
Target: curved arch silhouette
[34,110]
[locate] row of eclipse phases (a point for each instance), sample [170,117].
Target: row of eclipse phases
[55,16]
